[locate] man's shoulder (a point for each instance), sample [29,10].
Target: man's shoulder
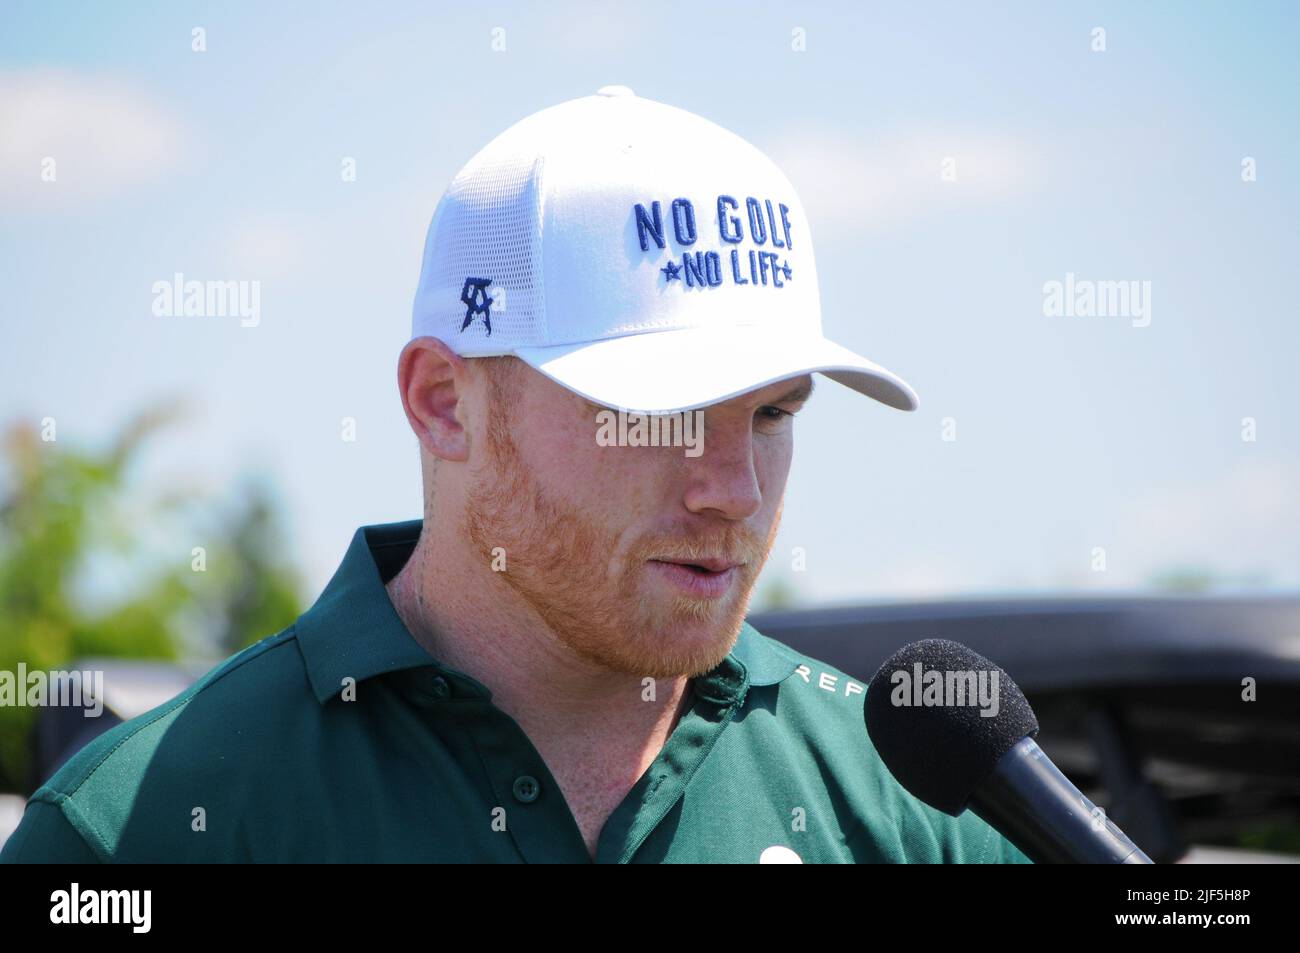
[190,743]
[245,687]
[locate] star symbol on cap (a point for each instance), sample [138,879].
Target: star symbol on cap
[670,270]
[786,270]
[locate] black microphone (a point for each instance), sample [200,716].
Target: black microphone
[957,732]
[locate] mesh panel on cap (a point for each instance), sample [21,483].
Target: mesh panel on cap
[486,226]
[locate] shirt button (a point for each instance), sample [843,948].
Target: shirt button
[526,789]
[440,688]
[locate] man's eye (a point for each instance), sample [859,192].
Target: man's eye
[773,413]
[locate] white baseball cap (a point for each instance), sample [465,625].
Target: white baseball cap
[639,255]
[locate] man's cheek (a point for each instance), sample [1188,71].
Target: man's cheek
[773,468]
[633,477]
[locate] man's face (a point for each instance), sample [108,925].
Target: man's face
[600,540]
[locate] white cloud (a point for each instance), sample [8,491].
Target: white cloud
[104,135]
[1242,522]
[853,182]
[264,247]
[588,27]
[1239,527]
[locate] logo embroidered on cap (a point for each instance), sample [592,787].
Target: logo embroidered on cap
[475,297]
[704,268]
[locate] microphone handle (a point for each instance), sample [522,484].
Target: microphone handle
[1030,802]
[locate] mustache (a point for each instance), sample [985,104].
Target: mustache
[735,544]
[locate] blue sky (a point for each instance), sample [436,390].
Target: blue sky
[1071,432]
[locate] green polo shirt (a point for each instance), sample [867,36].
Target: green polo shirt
[341,739]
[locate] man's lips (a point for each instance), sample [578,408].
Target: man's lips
[713,564]
[709,578]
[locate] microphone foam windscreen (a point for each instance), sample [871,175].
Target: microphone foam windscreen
[941,716]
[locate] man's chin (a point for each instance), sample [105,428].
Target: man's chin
[691,637]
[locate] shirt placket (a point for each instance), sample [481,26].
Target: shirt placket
[526,797]
[718,697]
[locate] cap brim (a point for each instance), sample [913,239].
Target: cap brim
[664,372]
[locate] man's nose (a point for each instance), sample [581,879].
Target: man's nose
[723,480]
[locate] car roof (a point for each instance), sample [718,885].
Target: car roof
[1046,642]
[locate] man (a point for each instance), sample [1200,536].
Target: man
[553,665]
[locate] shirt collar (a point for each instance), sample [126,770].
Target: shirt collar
[353,631]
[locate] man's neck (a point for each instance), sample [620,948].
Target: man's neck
[596,730]
[567,705]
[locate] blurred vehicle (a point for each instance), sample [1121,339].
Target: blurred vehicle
[1139,701]
[130,688]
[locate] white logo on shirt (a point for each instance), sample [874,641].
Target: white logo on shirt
[827,682]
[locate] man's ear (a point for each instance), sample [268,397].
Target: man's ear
[432,380]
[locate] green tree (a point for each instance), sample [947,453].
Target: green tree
[65,510]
